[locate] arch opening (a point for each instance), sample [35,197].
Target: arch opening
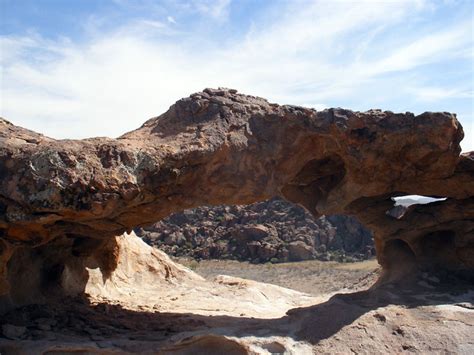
[273,231]
[438,249]
[402,203]
[409,200]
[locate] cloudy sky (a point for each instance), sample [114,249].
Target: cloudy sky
[74,69]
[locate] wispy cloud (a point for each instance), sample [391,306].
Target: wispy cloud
[431,93]
[433,47]
[356,54]
[218,9]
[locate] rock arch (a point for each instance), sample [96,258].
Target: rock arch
[218,146]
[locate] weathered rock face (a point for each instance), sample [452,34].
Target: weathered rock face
[219,147]
[260,232]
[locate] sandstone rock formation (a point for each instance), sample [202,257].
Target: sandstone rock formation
[273,230]
[144,280]
[64,201]
[150,305]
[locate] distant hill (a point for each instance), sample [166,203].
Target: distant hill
[274,230]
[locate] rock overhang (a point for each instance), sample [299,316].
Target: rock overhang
[221,147]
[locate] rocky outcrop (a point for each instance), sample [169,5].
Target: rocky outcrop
[70,198]
[274,230]
[150,305]
[146,298]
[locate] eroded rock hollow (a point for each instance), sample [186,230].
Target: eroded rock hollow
[62,202]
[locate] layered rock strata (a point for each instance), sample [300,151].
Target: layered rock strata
[63,200]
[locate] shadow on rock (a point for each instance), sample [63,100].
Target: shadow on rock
[108,325]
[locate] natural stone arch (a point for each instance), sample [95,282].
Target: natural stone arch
[219,147]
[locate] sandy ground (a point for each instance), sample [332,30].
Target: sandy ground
[151,305]
[314,277]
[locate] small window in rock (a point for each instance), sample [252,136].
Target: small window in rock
[403,202]
[409,200]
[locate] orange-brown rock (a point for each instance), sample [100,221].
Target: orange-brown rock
[218,147]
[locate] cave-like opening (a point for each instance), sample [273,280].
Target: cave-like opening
[438,249]
[398,255]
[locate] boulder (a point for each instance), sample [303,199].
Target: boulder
[252,232]
[13,331]
[300,251]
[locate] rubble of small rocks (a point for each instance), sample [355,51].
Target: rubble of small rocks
[274,230]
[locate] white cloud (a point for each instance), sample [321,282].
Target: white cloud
[443,44]
[432,93]
[312,52]
[467,121]
[218,9]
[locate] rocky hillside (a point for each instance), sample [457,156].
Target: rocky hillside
[273,230]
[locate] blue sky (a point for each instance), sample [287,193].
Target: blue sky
[74,69]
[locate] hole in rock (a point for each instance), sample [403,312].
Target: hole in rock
[51,275]
[270,231]
[83,247]
[439,248]
[401,203]
[35,274]
[409,200]
[398,255]
[53,269]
